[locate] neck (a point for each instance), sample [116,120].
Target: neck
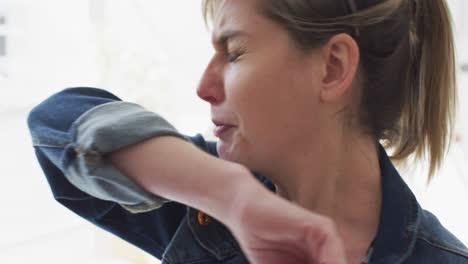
[341,180]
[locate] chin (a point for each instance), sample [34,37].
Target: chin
[224,151]
[229,152]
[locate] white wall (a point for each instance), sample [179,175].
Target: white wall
[137,49]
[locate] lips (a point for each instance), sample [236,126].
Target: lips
[221,128]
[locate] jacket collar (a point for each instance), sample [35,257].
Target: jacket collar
[396,235]
[399,217]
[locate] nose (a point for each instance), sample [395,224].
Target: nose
[211,87]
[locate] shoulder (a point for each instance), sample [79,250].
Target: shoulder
[435,244]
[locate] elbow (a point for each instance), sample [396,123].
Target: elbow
[60,110]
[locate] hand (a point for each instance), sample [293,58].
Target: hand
[272,230]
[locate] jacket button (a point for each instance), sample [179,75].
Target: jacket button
[203,219]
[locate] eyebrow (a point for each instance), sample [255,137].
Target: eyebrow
[224,36]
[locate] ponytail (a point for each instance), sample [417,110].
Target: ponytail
[429,105]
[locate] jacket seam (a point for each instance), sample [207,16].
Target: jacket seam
[48,146]
[451,250]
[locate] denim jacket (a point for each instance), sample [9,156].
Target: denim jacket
[73,130]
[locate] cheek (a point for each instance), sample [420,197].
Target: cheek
[250,91]
[275,103]
[273,91]
[271,102]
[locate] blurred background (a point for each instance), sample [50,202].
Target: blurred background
[152,52]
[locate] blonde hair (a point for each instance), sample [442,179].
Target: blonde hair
[407,61]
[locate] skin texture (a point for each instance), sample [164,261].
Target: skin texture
[292,116]
[292,111]
[269,229]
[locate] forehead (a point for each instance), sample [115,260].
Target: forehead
[230,15]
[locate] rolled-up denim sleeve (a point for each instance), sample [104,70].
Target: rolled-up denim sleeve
[102,130]
[74,130]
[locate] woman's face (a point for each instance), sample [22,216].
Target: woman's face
[260,83]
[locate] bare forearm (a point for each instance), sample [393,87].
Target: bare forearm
[179,171]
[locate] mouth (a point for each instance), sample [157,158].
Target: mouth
[221,128]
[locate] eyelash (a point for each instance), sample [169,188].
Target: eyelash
[233,56]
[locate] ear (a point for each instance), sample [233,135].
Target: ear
[341,57]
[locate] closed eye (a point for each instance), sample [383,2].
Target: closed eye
[233,56]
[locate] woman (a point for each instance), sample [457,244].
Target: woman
[301,93]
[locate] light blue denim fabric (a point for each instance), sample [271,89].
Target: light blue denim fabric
[106,128]
[73,130]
